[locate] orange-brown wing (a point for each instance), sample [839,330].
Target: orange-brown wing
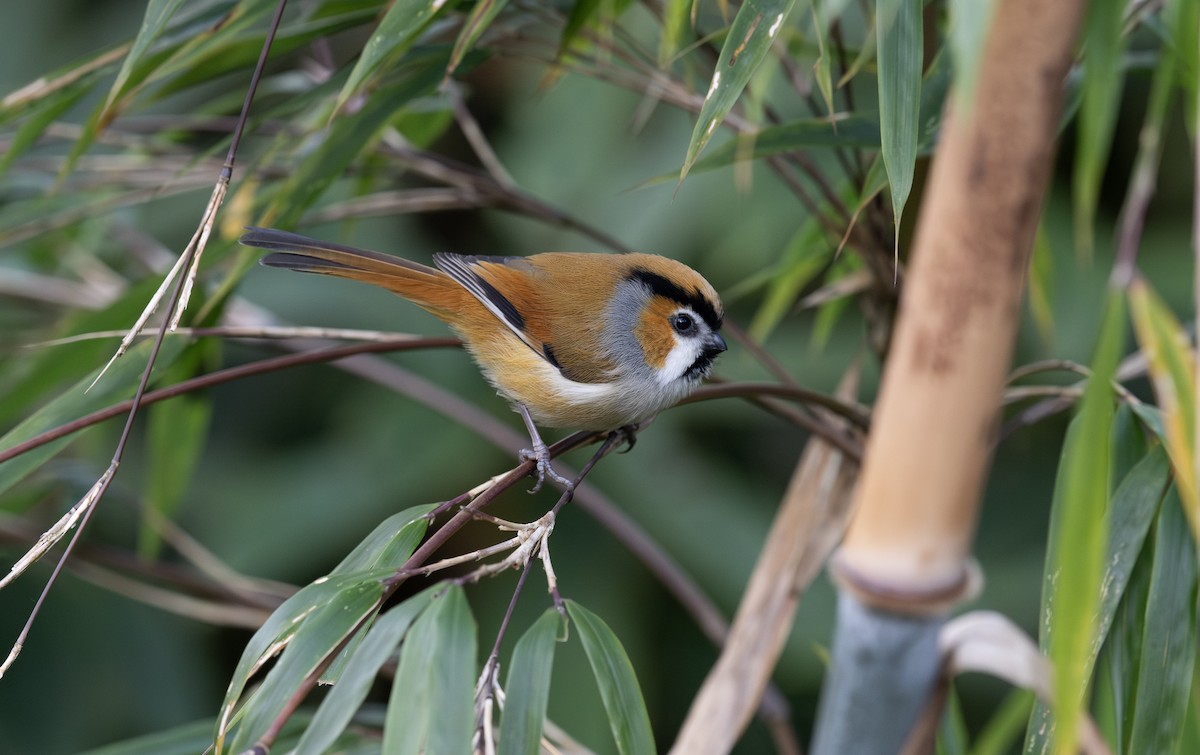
[509,288]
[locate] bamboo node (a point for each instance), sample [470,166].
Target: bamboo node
[912,597]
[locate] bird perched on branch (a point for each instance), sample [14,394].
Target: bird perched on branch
[582,341]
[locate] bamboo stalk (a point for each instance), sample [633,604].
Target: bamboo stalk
[906,558]
[930,446]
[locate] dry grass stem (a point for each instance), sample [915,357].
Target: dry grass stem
[810,522]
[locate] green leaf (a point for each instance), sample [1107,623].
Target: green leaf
[353,684]
[1133,507]
[280,628]
[431,706]
[481,16]
[674,30]
[176,432]
[77,401]
[829,313]
[1079,533]
[898,33]
[390,544]
[322,630]
[1102,84]
[823,15]
[158,13]
[527,691]
[1002,730]
[400,28]
[600,14]
[1041,285]
[617,682]
[952,729]
[349,136]
[44,371]
[846,131]
[806,255]
[753,30]
[41,115]
[968,29]
[1169,638]
[188,739]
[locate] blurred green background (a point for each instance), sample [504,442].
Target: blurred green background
[300,465]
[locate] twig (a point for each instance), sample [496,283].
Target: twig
[280,332]
[217,378]
[488,680]
[856,413]
[474,135]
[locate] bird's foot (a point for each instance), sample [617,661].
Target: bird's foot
[541,455]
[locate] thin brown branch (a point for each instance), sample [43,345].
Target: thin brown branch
[217,378]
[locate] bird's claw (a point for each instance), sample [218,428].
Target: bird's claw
[541,455]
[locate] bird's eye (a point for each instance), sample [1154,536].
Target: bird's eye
[683,324]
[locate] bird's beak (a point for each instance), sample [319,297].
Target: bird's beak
[716,344]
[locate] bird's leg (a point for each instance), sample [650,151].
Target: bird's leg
[541,454]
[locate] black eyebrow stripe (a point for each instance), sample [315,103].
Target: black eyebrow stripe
[660,286]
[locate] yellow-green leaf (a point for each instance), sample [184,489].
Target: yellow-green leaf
[1171,364]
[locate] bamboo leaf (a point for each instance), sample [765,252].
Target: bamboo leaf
[481,16]
[180,740]
[453,689]
[41,115]
[617,682]
[1041,284]
[674,30]
[278,630]
[347,695]
[806,255]
[750,36]
[824,14]
[527,691]
[176,432]
[77,401]
[431,707]
[1102,84]
[600,13]
[1171,362]
[390,544]
[1079,532]
[968,27]
[158,13]
[1122,650]
[1169,638]
[318,635]
[952,730]
[1133,510]
[1002,730]
[899,39]
[399,29]
[348,137]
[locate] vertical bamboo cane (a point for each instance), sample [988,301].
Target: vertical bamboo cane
[906,559]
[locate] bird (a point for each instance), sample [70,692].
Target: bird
[579,340]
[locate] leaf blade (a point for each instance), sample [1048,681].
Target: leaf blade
[750,37]
[527,689]
[899,41]
[619,690]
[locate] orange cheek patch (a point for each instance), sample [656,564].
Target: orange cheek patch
[654,334]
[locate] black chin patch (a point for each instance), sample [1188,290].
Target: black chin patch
[699,368]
